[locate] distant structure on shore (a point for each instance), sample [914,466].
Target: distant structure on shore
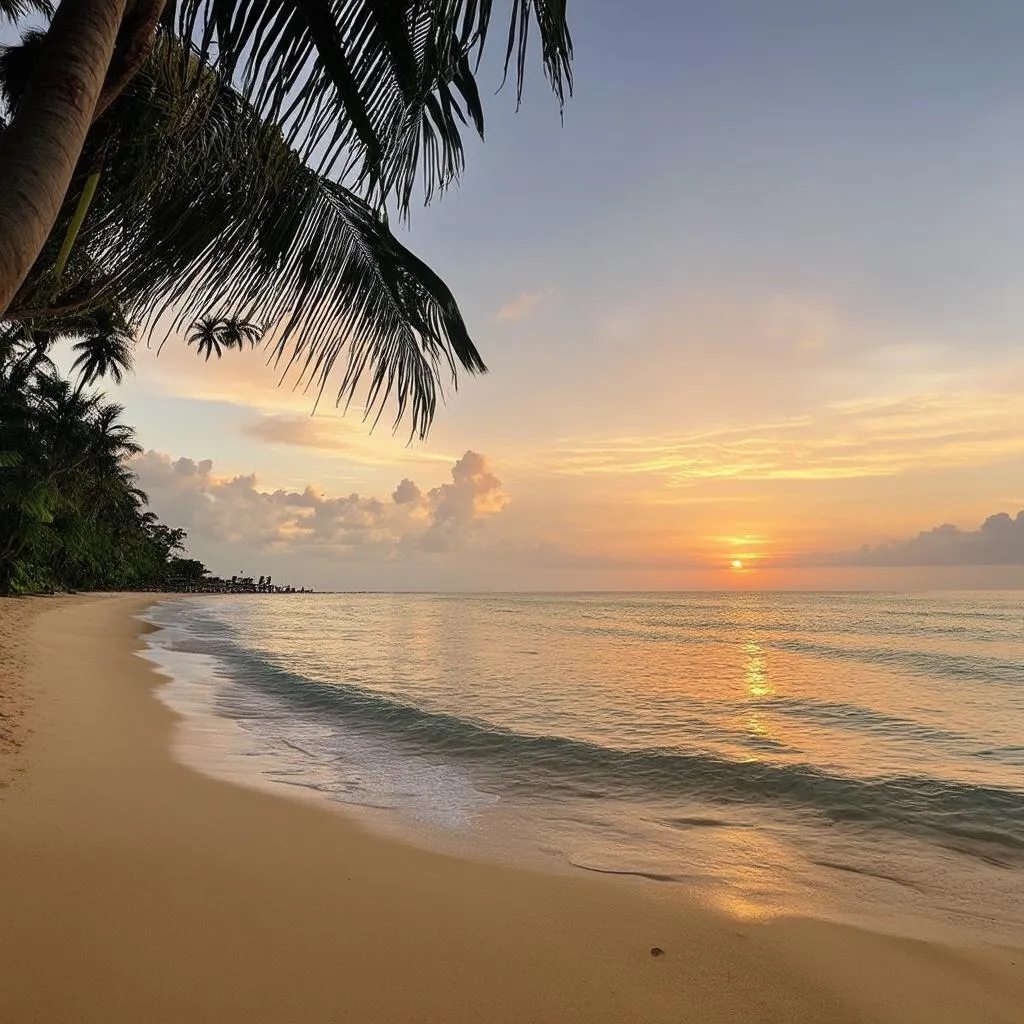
[235,585]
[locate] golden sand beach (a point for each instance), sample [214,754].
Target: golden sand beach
[134,889]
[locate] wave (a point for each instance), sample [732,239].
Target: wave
[856,869]
[853,716]
[987,821]
[954,667]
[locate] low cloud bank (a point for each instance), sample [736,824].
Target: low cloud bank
[998,541]
[235,510]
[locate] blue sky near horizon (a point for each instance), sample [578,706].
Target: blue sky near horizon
[756,298]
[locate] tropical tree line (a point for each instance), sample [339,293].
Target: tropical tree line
[73,517]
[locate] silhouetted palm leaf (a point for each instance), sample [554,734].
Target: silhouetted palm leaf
[402,72]
[15,10]
[204,210]
[215,211]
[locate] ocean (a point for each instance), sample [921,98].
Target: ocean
[858,757]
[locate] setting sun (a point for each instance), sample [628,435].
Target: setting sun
[737,564]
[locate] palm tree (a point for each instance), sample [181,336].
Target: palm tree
[374,92]
[197,207]
[106,350]
[112,440]
[23,354]
[211,335]
[45,136]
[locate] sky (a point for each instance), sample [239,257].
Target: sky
[755,299]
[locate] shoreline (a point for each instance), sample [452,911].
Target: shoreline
[137,888]
[760,858]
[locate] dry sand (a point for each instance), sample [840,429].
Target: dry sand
[134,889]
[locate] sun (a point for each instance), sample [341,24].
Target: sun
[737,564]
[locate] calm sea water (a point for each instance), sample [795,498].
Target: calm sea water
[858,756]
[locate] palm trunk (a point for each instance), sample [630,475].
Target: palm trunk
[40,148]
[138,33]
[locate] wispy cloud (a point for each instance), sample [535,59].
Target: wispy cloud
[301,431]
[334,433]
[875,437]
[522,305]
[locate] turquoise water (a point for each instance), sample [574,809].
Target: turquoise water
[858,756]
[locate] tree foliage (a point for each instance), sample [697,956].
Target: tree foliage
[72,516]
[245,171]
[212,336]
[201,213]
[378,92]
[105,347]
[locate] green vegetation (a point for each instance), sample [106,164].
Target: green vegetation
[72,516]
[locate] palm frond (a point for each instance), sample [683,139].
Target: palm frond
[314,259]
[16,66]
[378,90]
[15,10]
[203,210]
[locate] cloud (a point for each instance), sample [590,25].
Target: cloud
[845,440]
[522,305]
[998,541]
[407,493]
[234,510]
[474,493]
[331,432]
[302,431]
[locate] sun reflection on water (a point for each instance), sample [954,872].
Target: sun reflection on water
[758,686]
[756,675]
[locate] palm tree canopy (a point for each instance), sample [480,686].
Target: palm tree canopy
[373,93]
[209,203]
[212,336]
[202,209]
[381,89]
[105,350]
